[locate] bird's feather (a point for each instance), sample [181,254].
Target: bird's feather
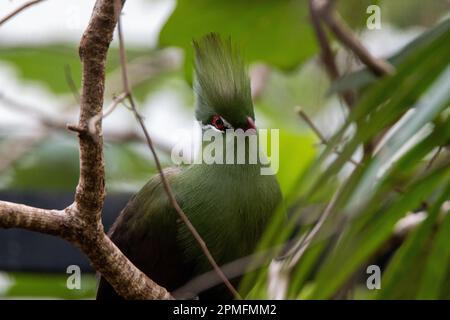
[222,85]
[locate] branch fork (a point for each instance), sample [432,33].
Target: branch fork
[80,223]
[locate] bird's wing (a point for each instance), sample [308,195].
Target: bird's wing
[146,232]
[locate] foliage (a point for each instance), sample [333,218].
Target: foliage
[264,29]
[366,205]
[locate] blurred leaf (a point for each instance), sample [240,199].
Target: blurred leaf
[53,165]
[47,64]
[362,78]
[365,210]
[305,86]
[354,12]
[427,108]
[355,248]
[296,152]
[408,256]
[127,168]
[407,13]
[264,29]
[42,285]
[438,264]
[388,99]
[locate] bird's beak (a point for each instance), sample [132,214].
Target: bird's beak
[251,123]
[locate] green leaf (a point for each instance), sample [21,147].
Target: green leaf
[427,108]
[407,256]
[401,91]
[438,264]
[292,164]
[48,64]
[54,165]
[45,64]
[413,12]
[53,286]
[277,32]
[356,247]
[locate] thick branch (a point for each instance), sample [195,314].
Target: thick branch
[94,46]
[126,279]
[80,223]
[52,222]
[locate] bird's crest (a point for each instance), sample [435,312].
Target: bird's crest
[222,84]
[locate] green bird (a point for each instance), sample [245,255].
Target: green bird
[228,204]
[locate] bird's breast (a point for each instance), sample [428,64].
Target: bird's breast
[230,208]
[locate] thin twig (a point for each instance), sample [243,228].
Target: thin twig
[164,181]
[321,137]
[94,120]
[18,10]
[345,35]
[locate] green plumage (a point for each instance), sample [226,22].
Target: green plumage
[229,205]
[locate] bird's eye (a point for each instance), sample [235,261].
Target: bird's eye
[218,122]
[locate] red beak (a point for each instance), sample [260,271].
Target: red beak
[250,123]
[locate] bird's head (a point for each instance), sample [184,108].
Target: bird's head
[222,85]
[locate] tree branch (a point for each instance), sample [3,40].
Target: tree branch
[80,223]
[13,215]
[327,55]
[345,35]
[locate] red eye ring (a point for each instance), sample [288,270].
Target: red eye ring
[217,122]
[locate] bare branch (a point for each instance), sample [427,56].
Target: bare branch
[126,279]
[93,48]
[94,121]
[327,55]
[345,35]
[80,223]
[18,10]
[164,181]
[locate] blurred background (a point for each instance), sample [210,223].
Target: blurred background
[40,76]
